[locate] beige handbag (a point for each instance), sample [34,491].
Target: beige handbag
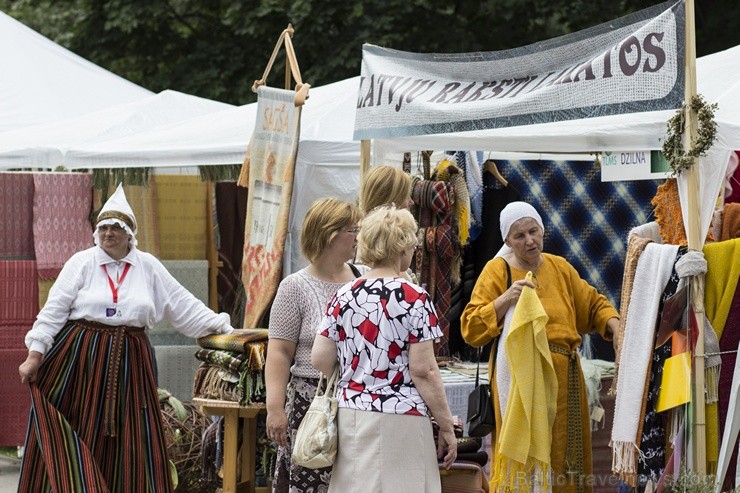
[316,440]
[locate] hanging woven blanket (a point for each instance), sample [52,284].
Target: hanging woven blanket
[61,219]
[586,220]
[16,216]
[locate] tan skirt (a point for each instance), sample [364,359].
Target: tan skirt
[384,453]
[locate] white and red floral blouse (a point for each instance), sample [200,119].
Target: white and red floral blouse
[374,322]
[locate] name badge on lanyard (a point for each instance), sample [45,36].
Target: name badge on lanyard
[113,311]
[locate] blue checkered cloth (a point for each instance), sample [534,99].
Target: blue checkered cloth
[586,221]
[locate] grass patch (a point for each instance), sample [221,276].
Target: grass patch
[11,452]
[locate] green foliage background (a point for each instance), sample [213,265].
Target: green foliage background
[217,48]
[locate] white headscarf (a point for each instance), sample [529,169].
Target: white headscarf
[513,212]
[117,210]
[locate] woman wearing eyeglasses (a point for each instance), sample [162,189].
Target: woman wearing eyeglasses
[328,241]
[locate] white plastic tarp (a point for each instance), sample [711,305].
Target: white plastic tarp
[41,81]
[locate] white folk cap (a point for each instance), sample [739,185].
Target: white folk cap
[116,210]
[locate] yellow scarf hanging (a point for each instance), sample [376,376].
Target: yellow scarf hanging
[523,453]
[461,206]
[723,271]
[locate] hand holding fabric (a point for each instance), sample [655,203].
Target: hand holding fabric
[29,368]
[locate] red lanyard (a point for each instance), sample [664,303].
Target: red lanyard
[113,287]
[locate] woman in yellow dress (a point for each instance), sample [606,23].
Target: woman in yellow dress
[573,308]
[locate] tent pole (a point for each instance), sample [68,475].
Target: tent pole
[364,157]
[696,242]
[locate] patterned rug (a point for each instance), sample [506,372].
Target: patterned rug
[61,219]
[586,221]
[181,214]
[19,298]
[16,216]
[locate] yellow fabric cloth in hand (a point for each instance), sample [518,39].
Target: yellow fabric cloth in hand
[526,433]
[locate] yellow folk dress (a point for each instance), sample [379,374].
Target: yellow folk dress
[574,307]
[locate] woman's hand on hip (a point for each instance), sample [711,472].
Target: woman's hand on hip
[277,428]
[29,369]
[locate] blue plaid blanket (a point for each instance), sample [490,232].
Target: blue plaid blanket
[586,221]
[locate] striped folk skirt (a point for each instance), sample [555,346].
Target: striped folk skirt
[95,422]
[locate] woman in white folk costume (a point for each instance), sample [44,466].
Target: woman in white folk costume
[95,420]
[563,307]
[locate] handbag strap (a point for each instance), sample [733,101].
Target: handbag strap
[480,349]
[355,270]
[330,382]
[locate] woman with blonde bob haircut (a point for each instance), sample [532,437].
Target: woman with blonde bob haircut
[385,185]
[323,222]
[328,241]
[385,234]
[379,330]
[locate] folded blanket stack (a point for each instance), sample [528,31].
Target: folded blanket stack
[232,366]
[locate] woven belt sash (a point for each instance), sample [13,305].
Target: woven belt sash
[111,387]
[574,450]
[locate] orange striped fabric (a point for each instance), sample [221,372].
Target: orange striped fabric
[67,449]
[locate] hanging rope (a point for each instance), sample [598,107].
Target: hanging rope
[300,88]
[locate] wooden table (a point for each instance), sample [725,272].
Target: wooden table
[232,413]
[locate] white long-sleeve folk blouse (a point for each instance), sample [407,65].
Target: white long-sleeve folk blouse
[89,287]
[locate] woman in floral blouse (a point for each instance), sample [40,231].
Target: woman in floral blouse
[380,329]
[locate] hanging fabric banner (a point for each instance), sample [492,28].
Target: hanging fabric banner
[629,65]
[270,162]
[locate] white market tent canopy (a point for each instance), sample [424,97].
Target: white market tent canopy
[41,81]
[327,162]
[327,120]
[328,117]
[328,158]
[44,145]
[326,145]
